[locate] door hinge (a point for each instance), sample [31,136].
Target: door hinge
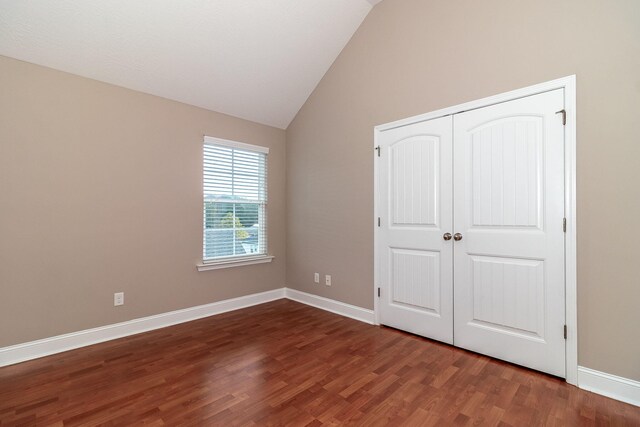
[564,224]
[378,221]
[378,149]
[378,292]
[565,332]
[564,116]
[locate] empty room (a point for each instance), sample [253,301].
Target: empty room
[319,212]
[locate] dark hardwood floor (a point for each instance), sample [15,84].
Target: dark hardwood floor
[284,363]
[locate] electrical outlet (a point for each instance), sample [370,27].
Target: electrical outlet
[118,298]
[327,280]
[316,277]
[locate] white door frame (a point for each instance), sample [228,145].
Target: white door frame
[569,85]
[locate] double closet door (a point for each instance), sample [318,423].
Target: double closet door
[470,248]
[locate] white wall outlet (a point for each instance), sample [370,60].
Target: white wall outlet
[327,280]
[118,298]
[316,277]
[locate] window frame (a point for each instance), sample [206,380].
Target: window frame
[235,260]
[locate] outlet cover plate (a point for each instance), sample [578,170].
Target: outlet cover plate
[118,298]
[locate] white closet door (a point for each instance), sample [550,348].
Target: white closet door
[509,209]
[415,261]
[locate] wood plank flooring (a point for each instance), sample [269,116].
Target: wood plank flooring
[284,363]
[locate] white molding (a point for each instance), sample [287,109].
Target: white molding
[236,262]
[212,140]
[376,238]
[338,307]
[568,84]
[571,254]
[609,385]
[560,83]
[57,344]
[60,343]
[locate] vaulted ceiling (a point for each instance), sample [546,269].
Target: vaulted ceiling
[254,59]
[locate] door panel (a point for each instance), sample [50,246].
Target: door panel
[413,177]
[415,278]
[416,267]
[509,207]
[508,295]
[506,164]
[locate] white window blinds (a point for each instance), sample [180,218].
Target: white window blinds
[235,200]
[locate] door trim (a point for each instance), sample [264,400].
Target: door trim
[571,303]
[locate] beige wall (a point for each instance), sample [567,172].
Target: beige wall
[100,191]
[415,56]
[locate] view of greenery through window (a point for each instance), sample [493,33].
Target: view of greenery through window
[231,215]
[231,228]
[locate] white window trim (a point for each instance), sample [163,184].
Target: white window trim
[233,262]
[217,264]
[234,144]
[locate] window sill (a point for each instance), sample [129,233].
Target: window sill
[215,265]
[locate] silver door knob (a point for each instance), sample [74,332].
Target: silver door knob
[457,237]
[446,236]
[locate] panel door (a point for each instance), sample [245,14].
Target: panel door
[509,209]
[415,188]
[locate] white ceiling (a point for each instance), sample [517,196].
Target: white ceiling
[255,59]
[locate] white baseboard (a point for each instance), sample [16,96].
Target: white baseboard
[619,388]
[47,346]
[57,344]
[344,309]
[612,386]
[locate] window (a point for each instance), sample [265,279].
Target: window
[235,201]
